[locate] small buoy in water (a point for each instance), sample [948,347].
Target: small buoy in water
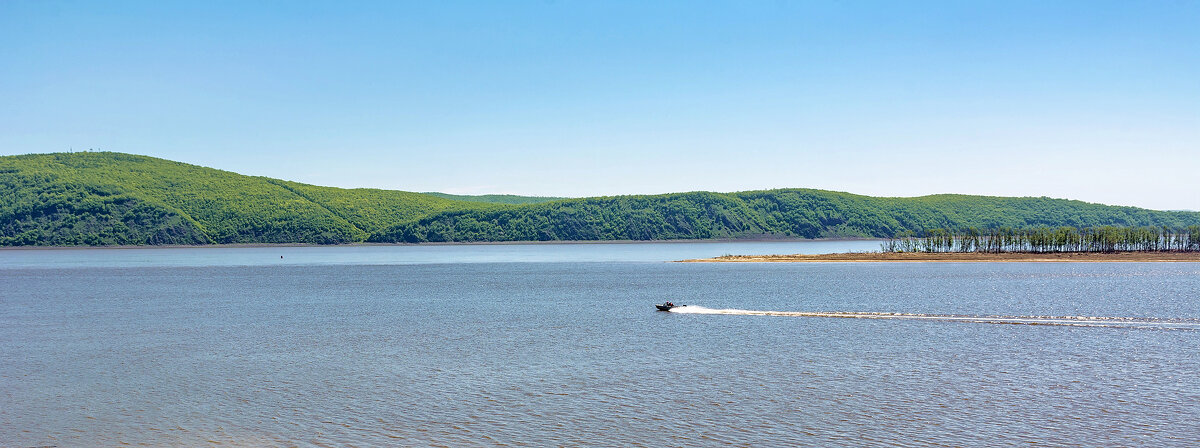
[281,257]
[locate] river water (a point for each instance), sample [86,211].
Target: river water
[552,345]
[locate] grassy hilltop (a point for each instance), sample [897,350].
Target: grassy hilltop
[110,198]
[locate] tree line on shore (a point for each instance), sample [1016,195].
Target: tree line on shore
[1050,240]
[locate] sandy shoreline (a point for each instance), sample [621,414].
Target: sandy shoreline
[960,257]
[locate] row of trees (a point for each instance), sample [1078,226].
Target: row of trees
[1047,239]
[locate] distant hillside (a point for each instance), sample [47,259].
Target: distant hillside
[112,198]
[497,198]
[774,213]
[106,198]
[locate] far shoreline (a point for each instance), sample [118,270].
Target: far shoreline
[447,243]
[960,257]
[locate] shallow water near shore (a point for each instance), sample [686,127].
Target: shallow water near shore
[545,351]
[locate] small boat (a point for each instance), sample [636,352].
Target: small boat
[667,306]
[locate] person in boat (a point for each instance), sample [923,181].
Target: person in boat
[669,304]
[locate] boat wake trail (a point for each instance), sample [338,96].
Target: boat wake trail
[1153,323]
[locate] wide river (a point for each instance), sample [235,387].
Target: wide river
[559,345]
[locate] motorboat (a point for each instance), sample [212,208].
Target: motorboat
[667,306]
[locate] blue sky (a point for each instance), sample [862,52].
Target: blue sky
[1090,100]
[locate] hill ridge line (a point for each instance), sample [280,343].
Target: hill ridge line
[59,199]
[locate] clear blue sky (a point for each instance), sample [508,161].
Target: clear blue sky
[1090,100]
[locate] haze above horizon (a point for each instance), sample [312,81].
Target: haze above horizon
[1096,101]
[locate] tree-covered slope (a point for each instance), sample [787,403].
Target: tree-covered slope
[673,216]
[114,198]
[816,213]
[371,209]
[226,207]
[782,213]
[39,208]
[79,198]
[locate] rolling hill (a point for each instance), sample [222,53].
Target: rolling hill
[105,198]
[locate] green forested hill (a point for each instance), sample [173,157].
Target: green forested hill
[781,213]
[114,198]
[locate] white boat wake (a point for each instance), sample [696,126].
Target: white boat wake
[1155,323]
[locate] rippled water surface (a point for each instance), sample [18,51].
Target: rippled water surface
[551,352]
